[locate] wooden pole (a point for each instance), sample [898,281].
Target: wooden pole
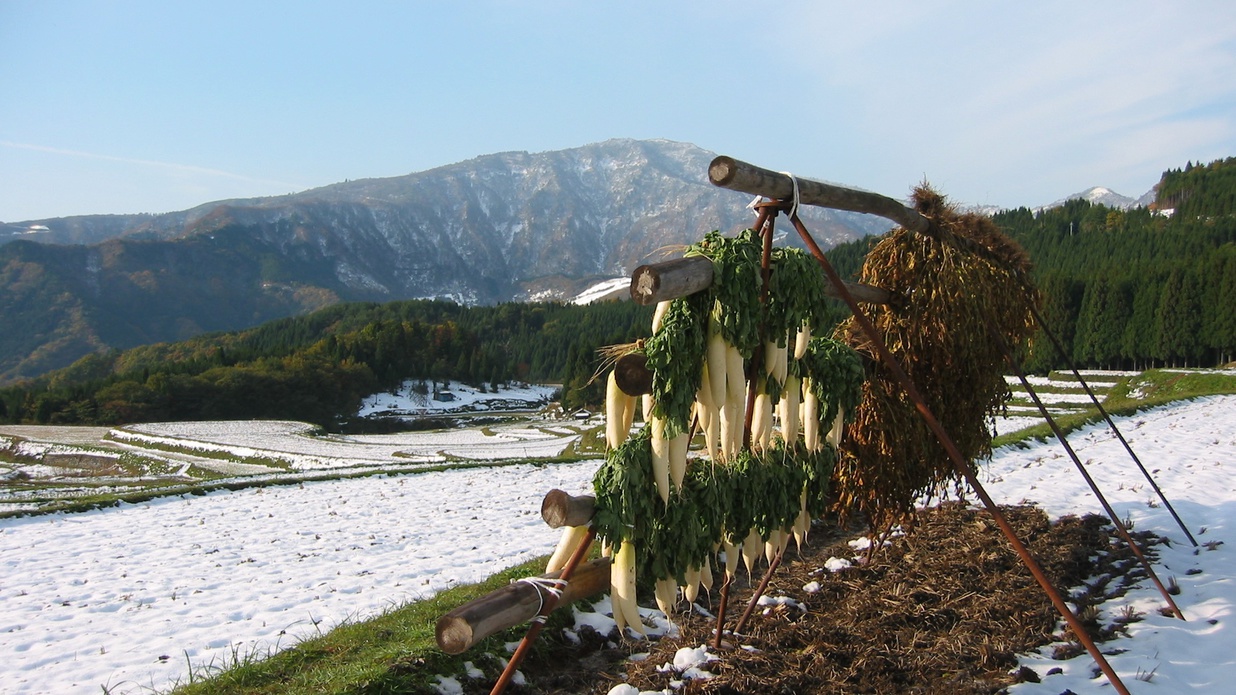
[561,508]
[661,282]
[516,603]
[632,374]
[737,175]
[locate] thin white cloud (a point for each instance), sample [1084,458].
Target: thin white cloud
[171,167]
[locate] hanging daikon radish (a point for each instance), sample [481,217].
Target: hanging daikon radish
[710,417]
[567,543]
[728,423]
[646,405]
[716,356]
[752,546]
[834,435]
[770,358]
[706,572]
[802,340]
[658,315]
[789,410]
[802,522]
[811,418]
[736,397]
[772,545]
[660,458]
[666,592]
[622,589]
[678,459]
[761,422]
[691,590]
[783,361]
[732,554]
[615,413]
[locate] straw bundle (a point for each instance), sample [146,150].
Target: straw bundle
[951,282]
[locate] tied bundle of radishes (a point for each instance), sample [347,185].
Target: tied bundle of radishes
[664,513]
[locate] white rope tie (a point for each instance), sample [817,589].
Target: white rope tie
[794,205]
[543,586]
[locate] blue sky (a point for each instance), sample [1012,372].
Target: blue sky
[122,107]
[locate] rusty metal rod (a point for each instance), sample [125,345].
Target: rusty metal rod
[551,602]
[1051,422]
[1111,423]
[725,599]
[958,460]
[759,592]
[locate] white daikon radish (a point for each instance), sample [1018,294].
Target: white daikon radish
[678,459]
[666,592]
[717,366]
[660,458]
[706,573]
[731,557]
[790,396]
[761,422]
[622,589]
[567,543]
[783,362]
[811,418]
[802,340]
[646,405]
[770,358]
[834,435]
[691,590]
[615,413]
[752,547]
[658,315]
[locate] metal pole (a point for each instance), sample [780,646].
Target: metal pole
[1111,423]
[1051,422]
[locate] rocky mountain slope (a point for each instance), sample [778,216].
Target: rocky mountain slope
[501,227]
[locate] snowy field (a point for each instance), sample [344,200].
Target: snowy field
[129,597]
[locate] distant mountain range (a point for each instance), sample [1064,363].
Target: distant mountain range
[501,227]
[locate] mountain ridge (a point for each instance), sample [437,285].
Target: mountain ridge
[501,227]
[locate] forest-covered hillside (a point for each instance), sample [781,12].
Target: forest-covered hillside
[1138,288]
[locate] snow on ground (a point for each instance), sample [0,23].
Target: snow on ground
[1190,450]
[455,398]
[123,597]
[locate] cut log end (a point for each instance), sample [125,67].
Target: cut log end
[561,508]
[632,374]
[721,171]
[454,634]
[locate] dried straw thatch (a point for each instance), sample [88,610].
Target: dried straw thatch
[950,284]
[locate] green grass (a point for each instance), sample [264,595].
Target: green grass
[393,653]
